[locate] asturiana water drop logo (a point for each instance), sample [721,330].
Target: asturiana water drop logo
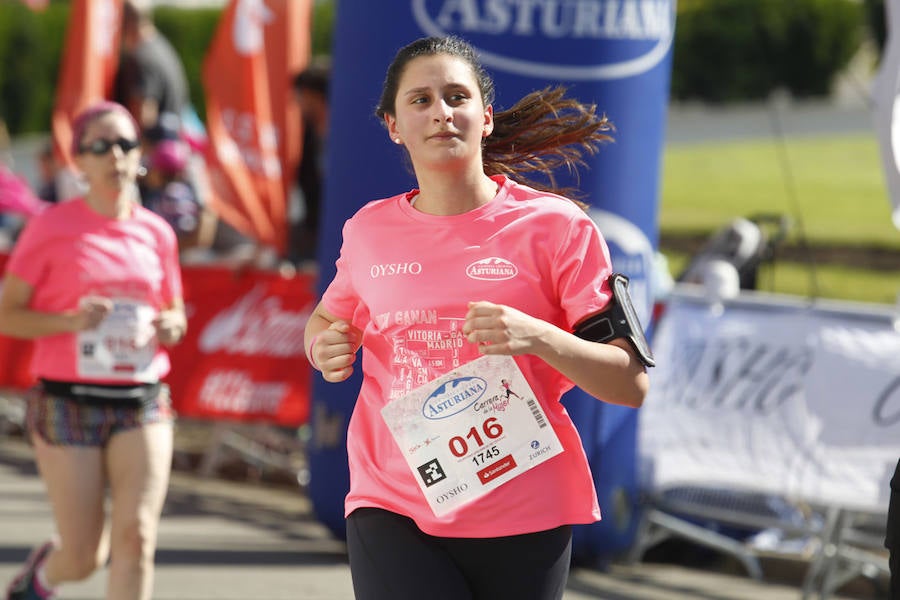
[492,269]
[453,397]
[591,39]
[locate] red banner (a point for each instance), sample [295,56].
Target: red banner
[15,356]
[242,358]
[88,69]
[252,123]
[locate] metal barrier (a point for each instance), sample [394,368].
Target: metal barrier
[838,544]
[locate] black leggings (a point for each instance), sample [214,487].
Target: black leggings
[391,559]
[892,541]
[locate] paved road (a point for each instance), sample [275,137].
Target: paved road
[696,123]
[237,541]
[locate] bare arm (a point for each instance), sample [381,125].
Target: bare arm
[17,320]
[331,344]
[610,372]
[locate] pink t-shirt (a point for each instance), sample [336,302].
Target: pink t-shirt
[405,278]
[70,251]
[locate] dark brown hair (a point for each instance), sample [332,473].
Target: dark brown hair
[315,77]
[543,131]
[136,12]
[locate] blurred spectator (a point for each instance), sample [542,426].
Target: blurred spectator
[166,127]
[17,200]
[48,169]
[56,182]
[311,92]
[173,188]
[151,79]
[167,190]
[16,196]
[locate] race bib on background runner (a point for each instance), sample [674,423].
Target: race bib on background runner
[122,346]
[470,431]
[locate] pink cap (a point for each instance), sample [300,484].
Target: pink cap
[91,114]
[169,156]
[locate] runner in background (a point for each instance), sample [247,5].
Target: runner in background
[311,91]
[95,282]
[477,262]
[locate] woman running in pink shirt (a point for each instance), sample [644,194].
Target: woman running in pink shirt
[95,282]
[476,276]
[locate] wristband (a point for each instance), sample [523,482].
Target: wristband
[311,357]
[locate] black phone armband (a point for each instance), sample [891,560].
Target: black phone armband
[619,320]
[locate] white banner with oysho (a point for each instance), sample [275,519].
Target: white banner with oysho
[772,395]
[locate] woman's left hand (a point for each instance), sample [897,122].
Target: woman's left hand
[171,326]
[500,329]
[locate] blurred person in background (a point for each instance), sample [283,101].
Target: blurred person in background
[311,91]
[169,186]
[167,191]
[96,283]
[56,182]
[151,79]
[48,171]
[18,202]
[173,187]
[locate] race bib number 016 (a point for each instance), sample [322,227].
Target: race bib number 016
[470,431]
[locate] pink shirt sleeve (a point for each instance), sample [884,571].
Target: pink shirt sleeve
[340,298]
[27,260]
[583,266]
[172,286]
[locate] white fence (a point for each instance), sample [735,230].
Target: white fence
[772,411]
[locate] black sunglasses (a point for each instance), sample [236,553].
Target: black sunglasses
[101,146]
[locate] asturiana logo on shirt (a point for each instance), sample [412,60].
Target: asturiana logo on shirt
[492,269]
[453,397]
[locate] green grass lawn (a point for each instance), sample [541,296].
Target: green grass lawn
[833,187]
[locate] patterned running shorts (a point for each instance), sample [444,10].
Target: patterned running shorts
[62,421]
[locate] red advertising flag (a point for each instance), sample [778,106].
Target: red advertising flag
[88,68]
[285,59]
[252,122]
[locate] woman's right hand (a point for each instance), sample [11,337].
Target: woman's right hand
[334,350]
[19,321]
[91,311]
